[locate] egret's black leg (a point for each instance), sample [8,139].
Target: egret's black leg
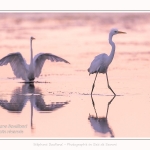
[92,92]
[109,104]
[109,85]
[94,83]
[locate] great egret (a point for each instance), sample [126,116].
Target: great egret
[28,72]
[102,61]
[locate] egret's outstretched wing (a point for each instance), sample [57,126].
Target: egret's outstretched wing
[17,63]
[40,58]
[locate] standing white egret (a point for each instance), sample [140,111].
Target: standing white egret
[102,61]
[28,72]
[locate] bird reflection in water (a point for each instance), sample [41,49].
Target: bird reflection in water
[100,124]
[20,97]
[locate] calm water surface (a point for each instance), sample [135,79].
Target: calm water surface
[59,103]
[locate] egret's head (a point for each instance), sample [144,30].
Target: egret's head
[32,38]
[116,31]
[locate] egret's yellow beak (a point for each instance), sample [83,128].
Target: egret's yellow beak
[119,32]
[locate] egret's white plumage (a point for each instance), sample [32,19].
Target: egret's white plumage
[99,64]
[102,61]
[28,72]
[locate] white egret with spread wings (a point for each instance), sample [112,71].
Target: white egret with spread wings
[29,72]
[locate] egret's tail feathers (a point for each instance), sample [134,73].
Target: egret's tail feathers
[89,71]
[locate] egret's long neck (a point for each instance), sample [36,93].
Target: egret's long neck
[31,62]
[112,53]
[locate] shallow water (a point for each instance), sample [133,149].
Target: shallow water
[59,102]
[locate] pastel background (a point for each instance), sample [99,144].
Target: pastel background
[59,104]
